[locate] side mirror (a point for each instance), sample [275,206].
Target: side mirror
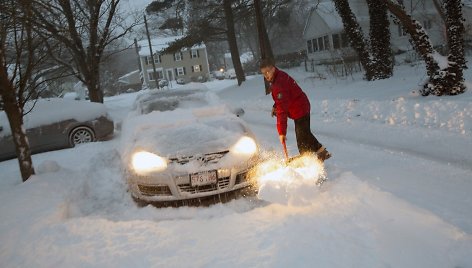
[1,128]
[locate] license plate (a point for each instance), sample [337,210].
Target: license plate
[203,178]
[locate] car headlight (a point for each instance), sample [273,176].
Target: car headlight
[246,146]
[148,162]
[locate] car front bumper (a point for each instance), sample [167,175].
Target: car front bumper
[165,187]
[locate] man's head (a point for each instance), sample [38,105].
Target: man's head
[267,67]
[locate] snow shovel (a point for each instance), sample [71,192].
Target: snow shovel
[284,144]
[288,159]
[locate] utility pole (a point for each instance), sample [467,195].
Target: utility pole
[136,48]
[152,55]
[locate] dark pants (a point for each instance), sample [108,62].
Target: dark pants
[306,141]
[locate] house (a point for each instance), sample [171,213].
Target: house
[184,66]
[326,41]
[130,81]
[467,14]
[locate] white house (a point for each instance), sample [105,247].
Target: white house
[326,40]
[184,66]
[467,14]
[131,80]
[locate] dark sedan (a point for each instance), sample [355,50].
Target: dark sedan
[56,124]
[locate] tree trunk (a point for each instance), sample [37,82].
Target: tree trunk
[382,57]
[13,93]
[15,117]
[448,81]
[419,38]
[264,43]
[454,79]
[93,85]
[233,45]
[357,40]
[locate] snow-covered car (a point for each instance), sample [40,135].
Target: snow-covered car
[163,83]
[57,123]
[180,81]
[184,146]
[74,96]
[230,74]
[219,75]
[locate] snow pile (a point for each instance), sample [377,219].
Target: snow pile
[452,115]
[292,183]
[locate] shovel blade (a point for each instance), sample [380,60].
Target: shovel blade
[290,159]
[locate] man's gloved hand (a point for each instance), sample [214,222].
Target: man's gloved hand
[274,113]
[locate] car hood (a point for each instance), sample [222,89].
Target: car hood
[183,132]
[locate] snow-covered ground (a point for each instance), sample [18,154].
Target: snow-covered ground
[397,194]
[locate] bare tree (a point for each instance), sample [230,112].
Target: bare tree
[19,52]
[264,43]
[85,28]
[206,23]
[233,45]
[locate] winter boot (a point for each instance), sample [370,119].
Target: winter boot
[323,154]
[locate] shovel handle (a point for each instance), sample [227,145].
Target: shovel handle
[284,144]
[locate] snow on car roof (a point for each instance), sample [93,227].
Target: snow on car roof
[48,111]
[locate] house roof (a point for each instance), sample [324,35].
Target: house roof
[160,43]
[327,11]
[125,78]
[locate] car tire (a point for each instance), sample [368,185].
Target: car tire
[80,135]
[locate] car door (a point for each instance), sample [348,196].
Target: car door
[7,147]
[49,137]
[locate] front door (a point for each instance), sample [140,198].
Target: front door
[170,74]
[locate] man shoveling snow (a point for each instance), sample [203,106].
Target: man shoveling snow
[291,102]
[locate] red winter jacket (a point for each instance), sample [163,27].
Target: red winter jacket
[290,100]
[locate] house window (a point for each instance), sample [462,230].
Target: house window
[157,59]
[196,68]
[320,44]
[336,41]
[315,45]
[194,54]
[309,46]
[326,42]
[179,71]
[427,24]
[178,56]
[153,78]
[344,40]
[401,31]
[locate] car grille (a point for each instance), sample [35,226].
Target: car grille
[211,158]
[222,184]
[153,190]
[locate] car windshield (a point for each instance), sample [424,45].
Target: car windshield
[171,100]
